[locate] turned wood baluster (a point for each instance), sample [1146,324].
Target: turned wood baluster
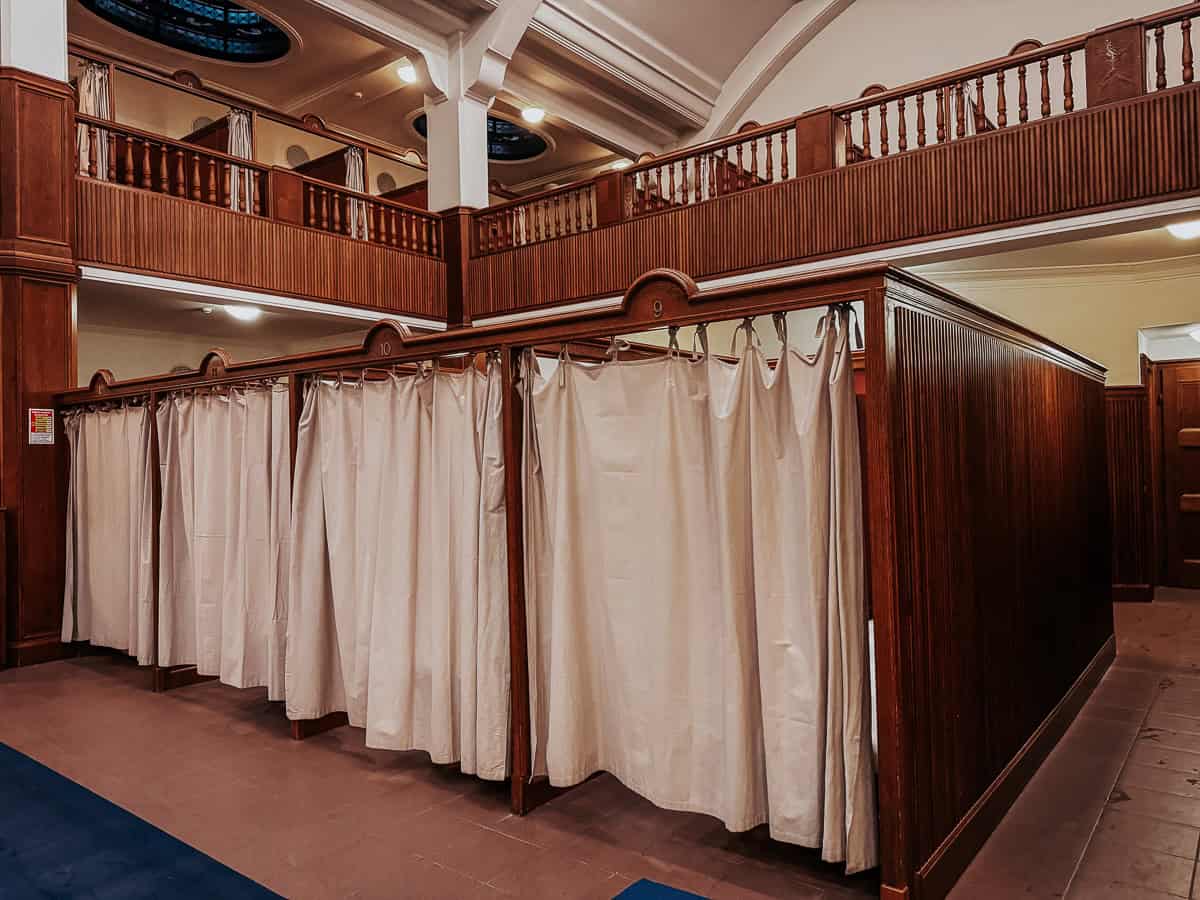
[980,106]
[195,192]
[425,227]
[337,213]
[920,120]
[128,159]
[697,188]
[1045,67]
[1022,96]
[369,213]
[146,183]
[1068,84]
[212,181]
[940,100]
[578,211]
[883,129]
[225,195]
[783,155]
[961,99]
[323,205]
[112,156]
[866,131]
[1160,58]
[180,178]
[311,218]
[848,137]
[560,226]
[1189,71]
[903,126]
[1001,101]
[394,237]
[91,151]
[771,158]
[740,174]
[434,238]
[164,176]
[587,207]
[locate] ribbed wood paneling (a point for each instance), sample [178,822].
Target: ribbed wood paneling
[1141,150]
[1002,548]
[1128,428]
[134,229]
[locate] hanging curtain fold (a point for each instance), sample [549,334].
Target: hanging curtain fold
[399,608]
[108,598]
[356,210]
[242,179]
[694,588]
[93,88]
[223,557]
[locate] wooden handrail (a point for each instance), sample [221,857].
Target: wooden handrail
[746,136]
[360,195]
[529,199]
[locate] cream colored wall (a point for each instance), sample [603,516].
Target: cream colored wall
[131,353]
[891,42]
[1096,313]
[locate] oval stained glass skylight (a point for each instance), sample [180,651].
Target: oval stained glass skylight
[507,141]
[212,28]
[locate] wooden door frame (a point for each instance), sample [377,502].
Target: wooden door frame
[1152,378]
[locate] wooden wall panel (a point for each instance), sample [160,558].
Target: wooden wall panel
[1128,428]
[1000,601]
[132,229]
[1143,150]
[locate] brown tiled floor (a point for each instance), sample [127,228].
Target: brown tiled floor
[329,818]
[1114,811]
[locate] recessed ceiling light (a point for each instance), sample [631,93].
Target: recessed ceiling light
[1185,231]
[407,72]
[207,310]
[244,313]
[621,164]
[533,114]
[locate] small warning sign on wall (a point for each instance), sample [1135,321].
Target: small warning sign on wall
[41,426]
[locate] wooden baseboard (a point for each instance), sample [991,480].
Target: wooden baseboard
[939,873]
[167,678]
[306,728]
[887,892]
[1132,593]
[41,649]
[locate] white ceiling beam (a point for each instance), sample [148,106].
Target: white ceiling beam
[790,34]
[613,125]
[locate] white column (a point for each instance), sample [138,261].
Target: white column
[457,151]
[33,36]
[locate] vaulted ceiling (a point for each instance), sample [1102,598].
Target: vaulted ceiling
[617,77]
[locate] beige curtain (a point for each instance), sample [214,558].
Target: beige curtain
[242,179]
[399,609]
[356,210]
[109,598]
[93,91]
[226,498]
[694,589]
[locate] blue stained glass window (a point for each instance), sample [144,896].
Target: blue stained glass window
[507,141]
[212,28]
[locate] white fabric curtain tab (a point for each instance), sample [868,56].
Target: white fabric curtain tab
[399,603]
[242,179]
[694,588]
[226,499]
[109,598]
[356,210]
[93,101]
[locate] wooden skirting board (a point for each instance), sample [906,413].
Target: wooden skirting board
[937,876]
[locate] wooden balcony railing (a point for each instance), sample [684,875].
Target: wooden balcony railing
[1013,90]
[750,158]
[1171,36]
[538,217]
[365,217]
[121,155]
[124,155]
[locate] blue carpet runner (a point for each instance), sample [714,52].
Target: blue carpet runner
[652,890]
[59,840]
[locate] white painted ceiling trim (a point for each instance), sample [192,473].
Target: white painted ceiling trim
[219,294]
[790,34]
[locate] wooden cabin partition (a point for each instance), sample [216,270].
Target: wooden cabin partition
[988,548]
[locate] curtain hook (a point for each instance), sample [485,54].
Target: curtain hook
[780,319]
[700,335]
[672,341]
[752,337]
